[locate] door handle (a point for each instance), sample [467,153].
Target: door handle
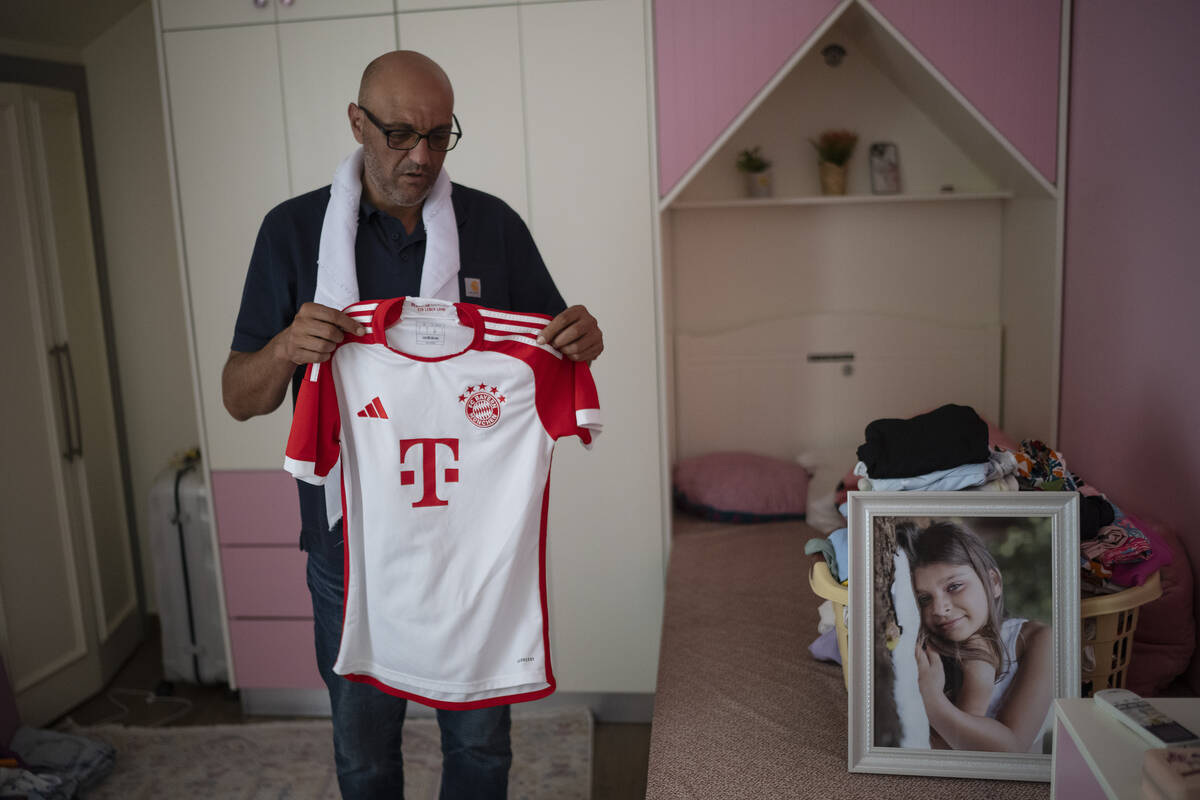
[56,354]
[77,450]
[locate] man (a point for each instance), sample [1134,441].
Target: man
[405,123]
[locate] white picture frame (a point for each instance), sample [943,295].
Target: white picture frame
[885,727]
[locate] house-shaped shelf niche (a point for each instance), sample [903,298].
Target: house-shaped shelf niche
[985,254]
[883,90]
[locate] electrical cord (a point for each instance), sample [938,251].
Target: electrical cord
[149,698]
[190,461]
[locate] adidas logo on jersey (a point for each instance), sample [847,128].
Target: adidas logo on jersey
[374,409]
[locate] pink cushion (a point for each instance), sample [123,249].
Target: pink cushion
[1164,639]
[998,437]
[741,487]
[1135,573]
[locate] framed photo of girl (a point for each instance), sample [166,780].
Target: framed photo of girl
[964,627]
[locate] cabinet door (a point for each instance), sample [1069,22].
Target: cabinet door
[480,49]
[430,5]
[322,65]
[66,601]
[588,131]
[324,9]
[69,267]
[231,166]
[190,14]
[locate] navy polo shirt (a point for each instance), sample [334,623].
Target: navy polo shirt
[495,249]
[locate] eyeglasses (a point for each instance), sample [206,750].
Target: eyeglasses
[406,138]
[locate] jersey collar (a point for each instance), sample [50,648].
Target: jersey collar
[389,312]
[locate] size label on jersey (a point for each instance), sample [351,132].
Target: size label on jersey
[430,334]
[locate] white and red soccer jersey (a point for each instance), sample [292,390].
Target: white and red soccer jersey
[444,417]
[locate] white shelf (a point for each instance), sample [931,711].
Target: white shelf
[833,200]
[1112,752]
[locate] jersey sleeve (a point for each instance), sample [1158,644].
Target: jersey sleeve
[313,444]
[567,401]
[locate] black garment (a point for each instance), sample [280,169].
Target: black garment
[1094,513]
[944,438]
[495,249]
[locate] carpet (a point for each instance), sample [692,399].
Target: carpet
[552,758]
[741,709]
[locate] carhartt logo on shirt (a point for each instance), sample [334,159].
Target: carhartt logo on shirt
[473,287]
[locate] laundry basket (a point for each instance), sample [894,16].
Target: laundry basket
[822,583]
[1106,634]
[1108,623]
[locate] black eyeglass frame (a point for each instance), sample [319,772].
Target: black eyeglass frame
[387,133]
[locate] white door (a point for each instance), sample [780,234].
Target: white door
[190,14]
[322,65]
[480,49]
[258,115]
[230,148]
[588,132]
[67,594]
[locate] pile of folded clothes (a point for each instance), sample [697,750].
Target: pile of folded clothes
[52,765]
[951,449]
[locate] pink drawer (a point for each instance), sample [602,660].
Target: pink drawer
[265,582]
[256,507]
[274,654]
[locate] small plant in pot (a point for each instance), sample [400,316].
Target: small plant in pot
[757,170]
[834,149]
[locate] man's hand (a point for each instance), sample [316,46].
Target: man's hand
[574,333]
[314,333]
[256,383]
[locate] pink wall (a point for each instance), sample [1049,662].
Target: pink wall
[713,56]
[1130,400]
[1003,57]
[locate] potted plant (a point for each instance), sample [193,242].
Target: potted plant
[834,149]
[757,171]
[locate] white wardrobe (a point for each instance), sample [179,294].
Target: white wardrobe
[68,595]
[553,100]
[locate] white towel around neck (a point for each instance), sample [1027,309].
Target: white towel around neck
[337,273]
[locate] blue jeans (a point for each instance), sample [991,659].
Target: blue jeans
[367,722]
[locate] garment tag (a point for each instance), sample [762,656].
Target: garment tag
[430,334]
[473,287]
[419,309]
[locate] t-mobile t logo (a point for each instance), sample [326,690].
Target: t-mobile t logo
[428,449]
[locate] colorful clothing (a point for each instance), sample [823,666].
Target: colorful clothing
[1118,543]
[1040,467]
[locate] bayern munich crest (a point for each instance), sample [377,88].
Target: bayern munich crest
[482,404]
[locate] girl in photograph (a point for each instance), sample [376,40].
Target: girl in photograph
[985,678]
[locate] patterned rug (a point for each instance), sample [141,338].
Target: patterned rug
[552,758]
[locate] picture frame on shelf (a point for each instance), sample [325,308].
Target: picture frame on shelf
[964,627]
[885,168]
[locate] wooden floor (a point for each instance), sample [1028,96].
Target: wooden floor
[619,759]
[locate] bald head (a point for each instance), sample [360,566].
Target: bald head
[401,91]
[400,73]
